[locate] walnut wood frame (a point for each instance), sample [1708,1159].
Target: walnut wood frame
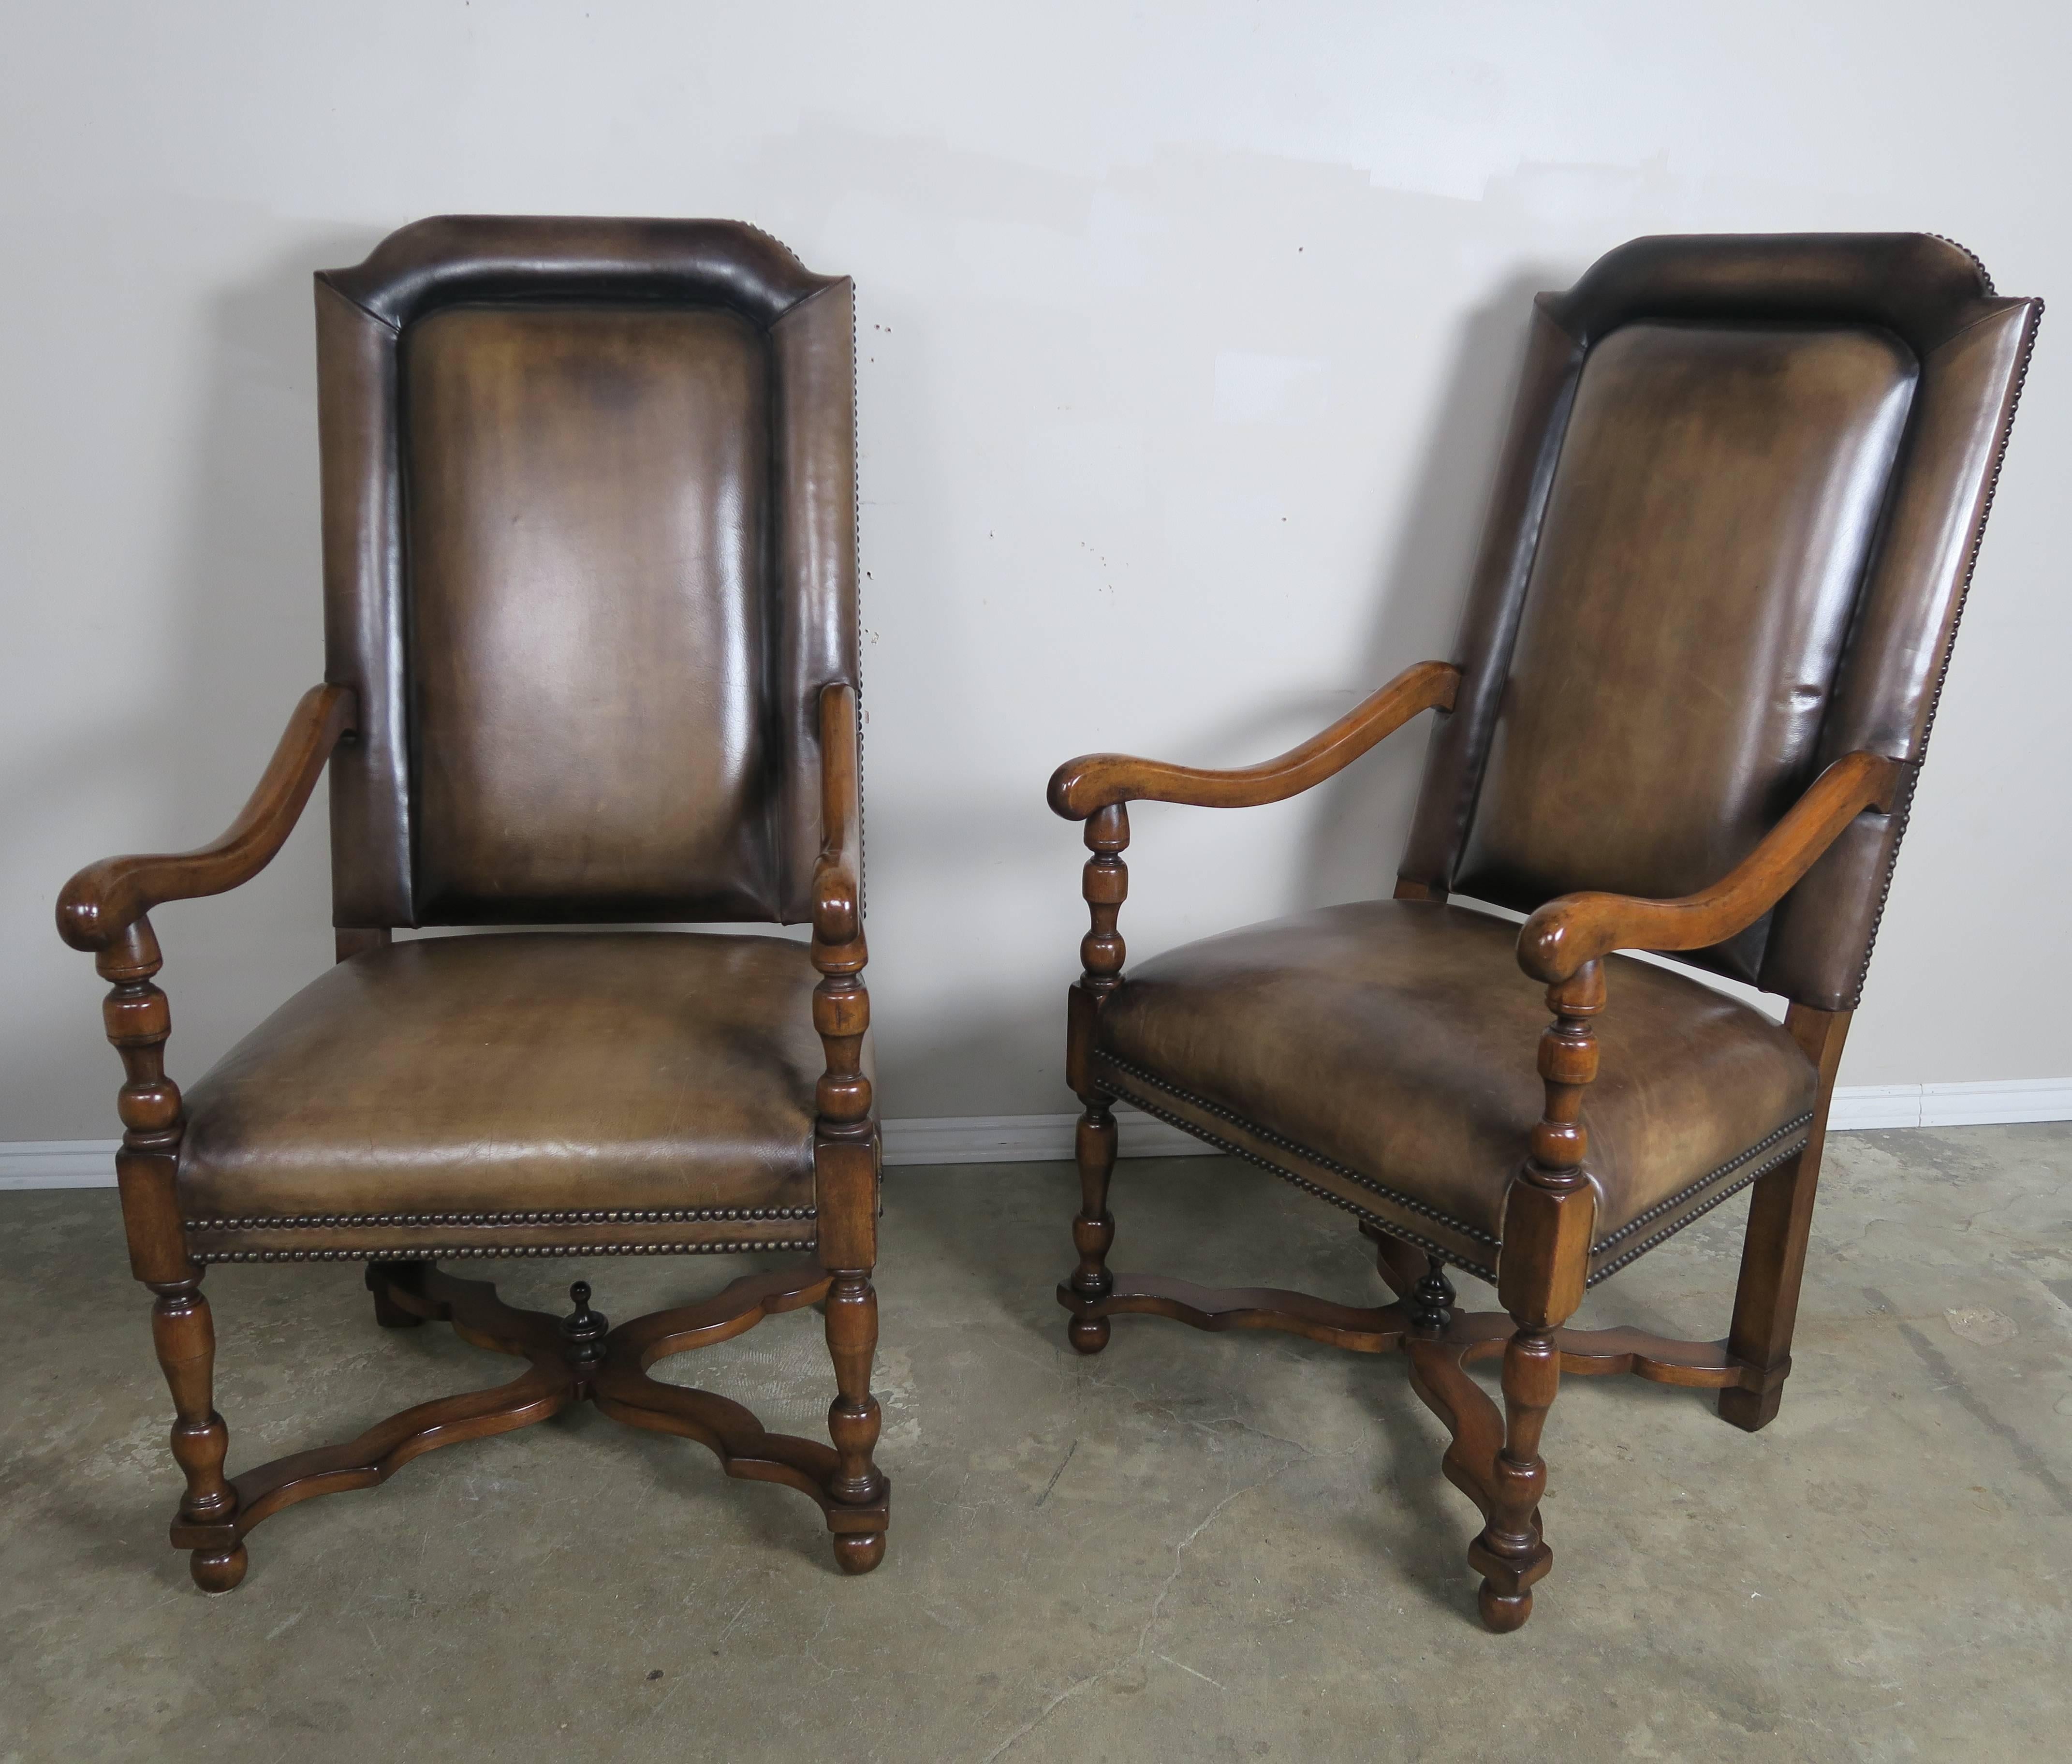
[105,909]
[1544,1266]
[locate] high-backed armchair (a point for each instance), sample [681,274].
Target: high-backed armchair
[1731,536]
[590,594]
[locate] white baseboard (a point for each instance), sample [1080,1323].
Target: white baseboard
[1998,1100]
[1021,1139]
[58,1163]
[1877,1105]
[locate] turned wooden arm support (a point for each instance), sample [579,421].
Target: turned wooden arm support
[1082,786]
[104,900]
[1565,934]
[844,1156]
[837,877]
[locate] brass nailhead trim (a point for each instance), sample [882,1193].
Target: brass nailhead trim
[1654,1212]
[1289,1144]
[497,1221]
[1985,281]
[1705,1181]
[1389,1225]
[451,1253]
[1695,1214]
[1903,809]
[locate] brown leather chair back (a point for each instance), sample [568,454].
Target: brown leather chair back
[1736,516]
[590,557]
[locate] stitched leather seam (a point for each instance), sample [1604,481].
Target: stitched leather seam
[1696,1213]
[1389,1225]
[444,1252]
[1705,1181]
[1905,808]
[388,325]
[1389,1194]
[495,1221]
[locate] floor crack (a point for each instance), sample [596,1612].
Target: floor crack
[1937,1362]
[1042,1715]
[1057,1473]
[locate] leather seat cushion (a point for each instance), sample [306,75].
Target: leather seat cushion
[1385,1053]
[492,1077]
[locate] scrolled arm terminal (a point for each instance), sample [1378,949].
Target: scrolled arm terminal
[1082,786]
[1557,941]
[99,904]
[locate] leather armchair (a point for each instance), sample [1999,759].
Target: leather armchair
[1731,536]
[590,596]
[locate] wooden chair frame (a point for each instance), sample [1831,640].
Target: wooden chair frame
[106,909]
[1494,1456]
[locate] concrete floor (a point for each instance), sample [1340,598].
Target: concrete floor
[1195,1547]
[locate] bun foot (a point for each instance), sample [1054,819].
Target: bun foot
[1087,1334]
[1502,1615]
[858,1553]
[219,1570]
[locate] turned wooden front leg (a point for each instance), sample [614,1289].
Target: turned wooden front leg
[1104,886]
[138,1021]
[1511,1552]
[845,1181]
[1093,1229]
[853,1417]
[184,1335]
[1549,1216]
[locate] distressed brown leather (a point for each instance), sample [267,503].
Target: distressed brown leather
[460,1084]
[1729,541]
[587,488]
[1736,517]
[1381,1053]
[588,485]
[1706,530]
[589,562]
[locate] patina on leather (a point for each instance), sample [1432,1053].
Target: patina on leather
[588,484]
[505,1075]
[590,594]
[1706,532]
[1729,539]
[1729,543]
[1385,1037]
[587,490]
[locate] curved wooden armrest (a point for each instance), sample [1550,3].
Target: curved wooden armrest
[1556,941]
[104,900]
[1081,787]
[838,890]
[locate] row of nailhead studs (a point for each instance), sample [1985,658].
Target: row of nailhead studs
[1653,1213]
[1289,1144]
[1705,1181]
[1391,1226]
[1903,809]
[415,1220]
[1696,1213]
[484,1250]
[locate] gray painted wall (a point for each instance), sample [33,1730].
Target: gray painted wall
[1187,337]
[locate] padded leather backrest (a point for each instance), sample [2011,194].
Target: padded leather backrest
[1743,488]
[590,529]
